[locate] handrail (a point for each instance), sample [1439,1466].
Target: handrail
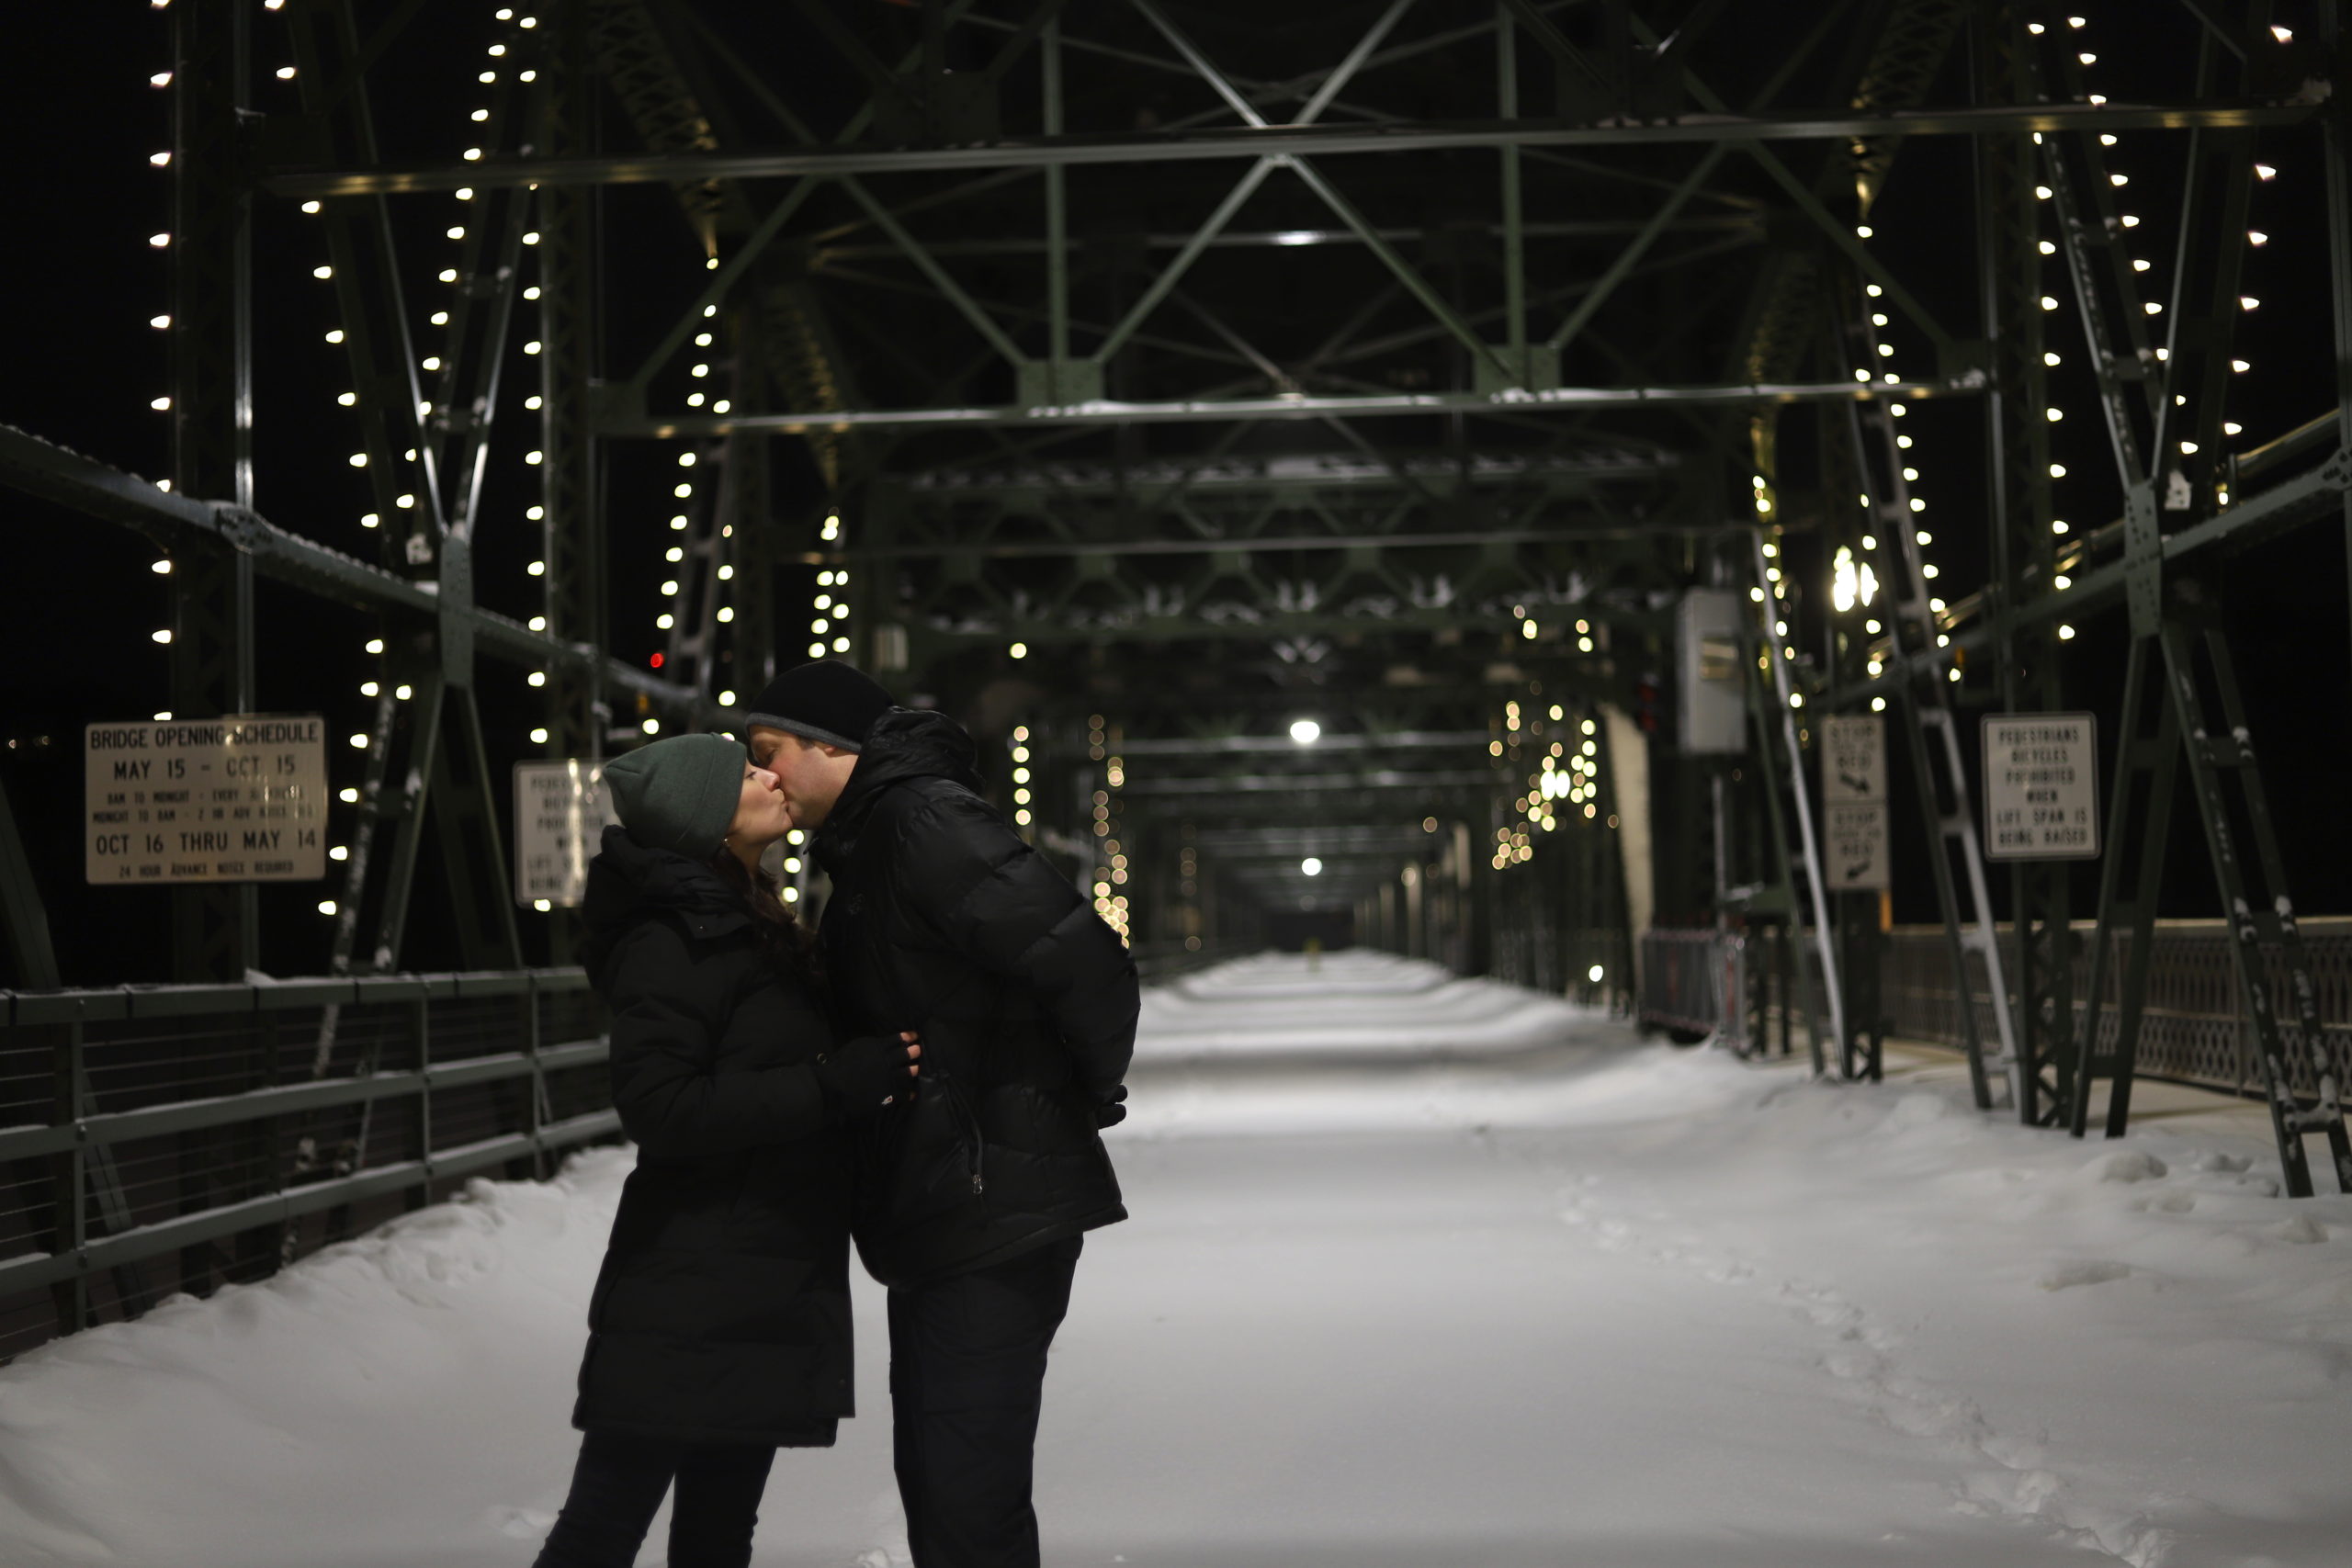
[73,1035]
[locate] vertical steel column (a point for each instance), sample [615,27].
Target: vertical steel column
[32,959]
[1776,720]
[2024,557]
[2339,264]
[1049,60]
[1514,226]
[68,1215]
[214,929]
[572,490]
[1846,470]
[421,1195]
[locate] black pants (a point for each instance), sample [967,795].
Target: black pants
[617,1487]
[967,1367]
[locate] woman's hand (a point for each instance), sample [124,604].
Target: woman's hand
[914,1058]
[863,1075]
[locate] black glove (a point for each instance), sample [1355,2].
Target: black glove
[1109,1107]
[861,1076]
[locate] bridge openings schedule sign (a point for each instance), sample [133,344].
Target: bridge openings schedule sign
[240,798]
[2041,786]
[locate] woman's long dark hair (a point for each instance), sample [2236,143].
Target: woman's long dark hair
[790,944]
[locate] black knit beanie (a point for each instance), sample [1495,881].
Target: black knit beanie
[823,700]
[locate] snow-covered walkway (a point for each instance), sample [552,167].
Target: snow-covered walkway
[1422,1272]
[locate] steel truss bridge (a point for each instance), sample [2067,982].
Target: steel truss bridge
[1283,434]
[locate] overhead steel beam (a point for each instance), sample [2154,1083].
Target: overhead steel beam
[1301,473]
[1308,239]
[1282,744]
[1291,405]
[2306,498]
[1659,529]
[1277,140]
[1273,837]
[1257,783]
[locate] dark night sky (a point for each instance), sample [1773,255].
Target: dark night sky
[79,364]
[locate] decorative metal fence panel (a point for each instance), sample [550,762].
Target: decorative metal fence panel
[2193,1029]
[154,1139]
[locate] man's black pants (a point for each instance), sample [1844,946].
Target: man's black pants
[967,1367]
[617,1487]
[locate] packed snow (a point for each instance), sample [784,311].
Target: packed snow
[1422,1270]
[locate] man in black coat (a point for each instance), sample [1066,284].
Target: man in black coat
[943,921]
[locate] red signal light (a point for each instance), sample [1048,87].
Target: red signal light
[656,662]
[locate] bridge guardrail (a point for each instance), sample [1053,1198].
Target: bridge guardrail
[238,1126]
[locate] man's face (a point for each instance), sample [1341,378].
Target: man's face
[809,774]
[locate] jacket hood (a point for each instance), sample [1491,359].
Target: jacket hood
[626,882]
[905,743]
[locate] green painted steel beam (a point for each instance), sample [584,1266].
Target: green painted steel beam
[1291,405]
[1277,140]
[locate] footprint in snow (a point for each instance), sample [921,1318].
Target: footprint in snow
[521,1524]
[2081,1272]
[2125,1165]
[2301,1230]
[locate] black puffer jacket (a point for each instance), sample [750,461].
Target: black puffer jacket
[943,921]
[722,1311]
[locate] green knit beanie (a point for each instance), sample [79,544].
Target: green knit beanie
[679,793]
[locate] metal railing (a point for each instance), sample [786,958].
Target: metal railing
[238,1127]
[2194,1029]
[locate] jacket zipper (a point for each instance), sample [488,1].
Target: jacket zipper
[960,1098]
[980,1152]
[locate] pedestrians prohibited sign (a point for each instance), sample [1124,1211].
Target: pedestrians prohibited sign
[2041,786]
[242,798]
[559,818]
[1853,799]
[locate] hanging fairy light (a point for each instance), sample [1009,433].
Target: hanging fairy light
[830,610]
[1879,348]
[1021,777]
[1110,855]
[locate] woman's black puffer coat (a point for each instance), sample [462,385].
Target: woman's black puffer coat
[722,1311]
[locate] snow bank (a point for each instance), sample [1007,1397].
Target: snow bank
[1563,1297]
[1344,1004]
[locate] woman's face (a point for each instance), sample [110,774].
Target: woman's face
[762,813]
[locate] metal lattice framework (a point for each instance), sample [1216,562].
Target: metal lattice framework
[1154,385]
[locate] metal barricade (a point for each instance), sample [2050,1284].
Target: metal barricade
[1694,982]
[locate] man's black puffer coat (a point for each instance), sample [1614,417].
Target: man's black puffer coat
[722,1311]
[943,921]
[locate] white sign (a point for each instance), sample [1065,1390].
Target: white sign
[240,798]
[1854,841]
[2041,786]
[1713,714]
[1854,797]
[561,813]
[1853,757]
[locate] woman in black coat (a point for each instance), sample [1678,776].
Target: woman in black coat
[719,1329]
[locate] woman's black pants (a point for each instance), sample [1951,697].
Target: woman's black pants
[617,1487]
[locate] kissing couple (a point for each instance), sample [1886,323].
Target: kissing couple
[928,1072]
